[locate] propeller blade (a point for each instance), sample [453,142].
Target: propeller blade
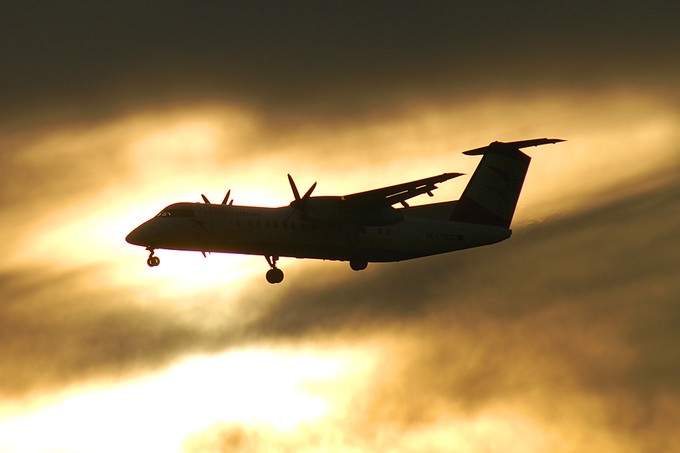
[309,192]
[226,197]
[296,194]
[205,199]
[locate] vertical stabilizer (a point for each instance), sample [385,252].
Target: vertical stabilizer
[490,197]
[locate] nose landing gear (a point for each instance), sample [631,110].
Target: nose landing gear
[274,275]
[152,261]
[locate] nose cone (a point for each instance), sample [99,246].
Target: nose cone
[142,235]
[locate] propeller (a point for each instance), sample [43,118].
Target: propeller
[299,202]
[224,201]
[296,194]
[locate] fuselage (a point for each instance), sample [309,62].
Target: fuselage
[284,232]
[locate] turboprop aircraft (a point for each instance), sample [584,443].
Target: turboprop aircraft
[360,228]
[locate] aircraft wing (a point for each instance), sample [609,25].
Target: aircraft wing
[388,196]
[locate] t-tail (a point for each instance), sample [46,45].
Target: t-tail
[490,197]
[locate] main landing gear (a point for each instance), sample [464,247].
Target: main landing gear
[152,261]
[274,275]
[358,264]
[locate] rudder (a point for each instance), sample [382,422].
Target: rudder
[491,195]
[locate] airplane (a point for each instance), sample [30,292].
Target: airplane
[360,228]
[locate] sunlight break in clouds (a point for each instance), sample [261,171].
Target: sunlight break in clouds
[276,389]
[488,431]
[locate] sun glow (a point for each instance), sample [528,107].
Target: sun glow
[277,389]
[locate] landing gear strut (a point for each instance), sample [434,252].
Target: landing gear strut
[274,275]
[152,261]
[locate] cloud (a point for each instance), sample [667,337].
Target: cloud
[588,252]
[95,176]
[72,191]
[321,60]
[562,338]
[570,323]
[58,329]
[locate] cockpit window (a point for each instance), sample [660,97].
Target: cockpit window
[177,212]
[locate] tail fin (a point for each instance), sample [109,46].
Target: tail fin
[491,195]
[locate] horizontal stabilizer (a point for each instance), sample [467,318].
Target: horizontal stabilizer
[502,146]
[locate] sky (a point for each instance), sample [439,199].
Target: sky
[562,338]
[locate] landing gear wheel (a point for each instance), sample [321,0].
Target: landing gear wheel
[274,275]
[153,261]
[358,265]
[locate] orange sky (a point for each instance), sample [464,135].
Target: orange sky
[561,339]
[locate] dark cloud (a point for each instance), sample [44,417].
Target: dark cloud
[572,321]
[625,244]
[44,165]
[568,314]
[69,58]
[58,329]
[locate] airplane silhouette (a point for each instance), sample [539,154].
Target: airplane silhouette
[360,228]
